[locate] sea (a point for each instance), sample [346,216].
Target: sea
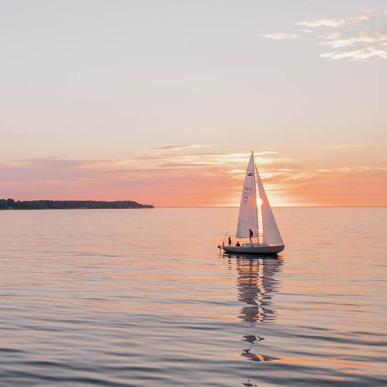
[145,298]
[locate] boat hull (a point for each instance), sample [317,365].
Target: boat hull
[254,249]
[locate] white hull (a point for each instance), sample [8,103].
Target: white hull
[254,249]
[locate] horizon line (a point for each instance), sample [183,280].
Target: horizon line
[290,206]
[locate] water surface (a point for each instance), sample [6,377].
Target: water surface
[142,298]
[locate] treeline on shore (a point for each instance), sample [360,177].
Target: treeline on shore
[11,204]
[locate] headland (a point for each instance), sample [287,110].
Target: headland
[11,204]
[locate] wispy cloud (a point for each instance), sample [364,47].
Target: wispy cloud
[278,36]
[333,22]
[357,47]
[361,42]
[340,40]
[356,55]
[179,147]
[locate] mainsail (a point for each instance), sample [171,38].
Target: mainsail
[271,234]
[248,214]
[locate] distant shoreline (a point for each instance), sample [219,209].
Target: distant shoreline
[11,204]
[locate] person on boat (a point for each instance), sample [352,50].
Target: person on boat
[237,244]
[229,241]
[251,234]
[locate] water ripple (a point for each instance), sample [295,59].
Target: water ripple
[90,298]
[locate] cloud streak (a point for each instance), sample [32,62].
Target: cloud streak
[278,36]
[357,47]
[176,147]
[359,43]
[333,22]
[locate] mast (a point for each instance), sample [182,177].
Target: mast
[248,211]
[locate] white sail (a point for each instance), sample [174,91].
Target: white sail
[271,234]
[248,214]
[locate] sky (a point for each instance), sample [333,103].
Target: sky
[162,101]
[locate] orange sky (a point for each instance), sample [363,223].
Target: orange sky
[195,176]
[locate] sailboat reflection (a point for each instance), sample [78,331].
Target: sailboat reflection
[256,286]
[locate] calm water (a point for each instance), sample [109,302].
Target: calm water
[142,298]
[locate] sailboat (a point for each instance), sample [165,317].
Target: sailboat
[270,240]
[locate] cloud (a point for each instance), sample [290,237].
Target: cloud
[278,36]
[357,47]
[334,22]
[196,155]
[340,40]
[356,55]
[179,147]
[362,42]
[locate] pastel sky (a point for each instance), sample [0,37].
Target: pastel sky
[162,101]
